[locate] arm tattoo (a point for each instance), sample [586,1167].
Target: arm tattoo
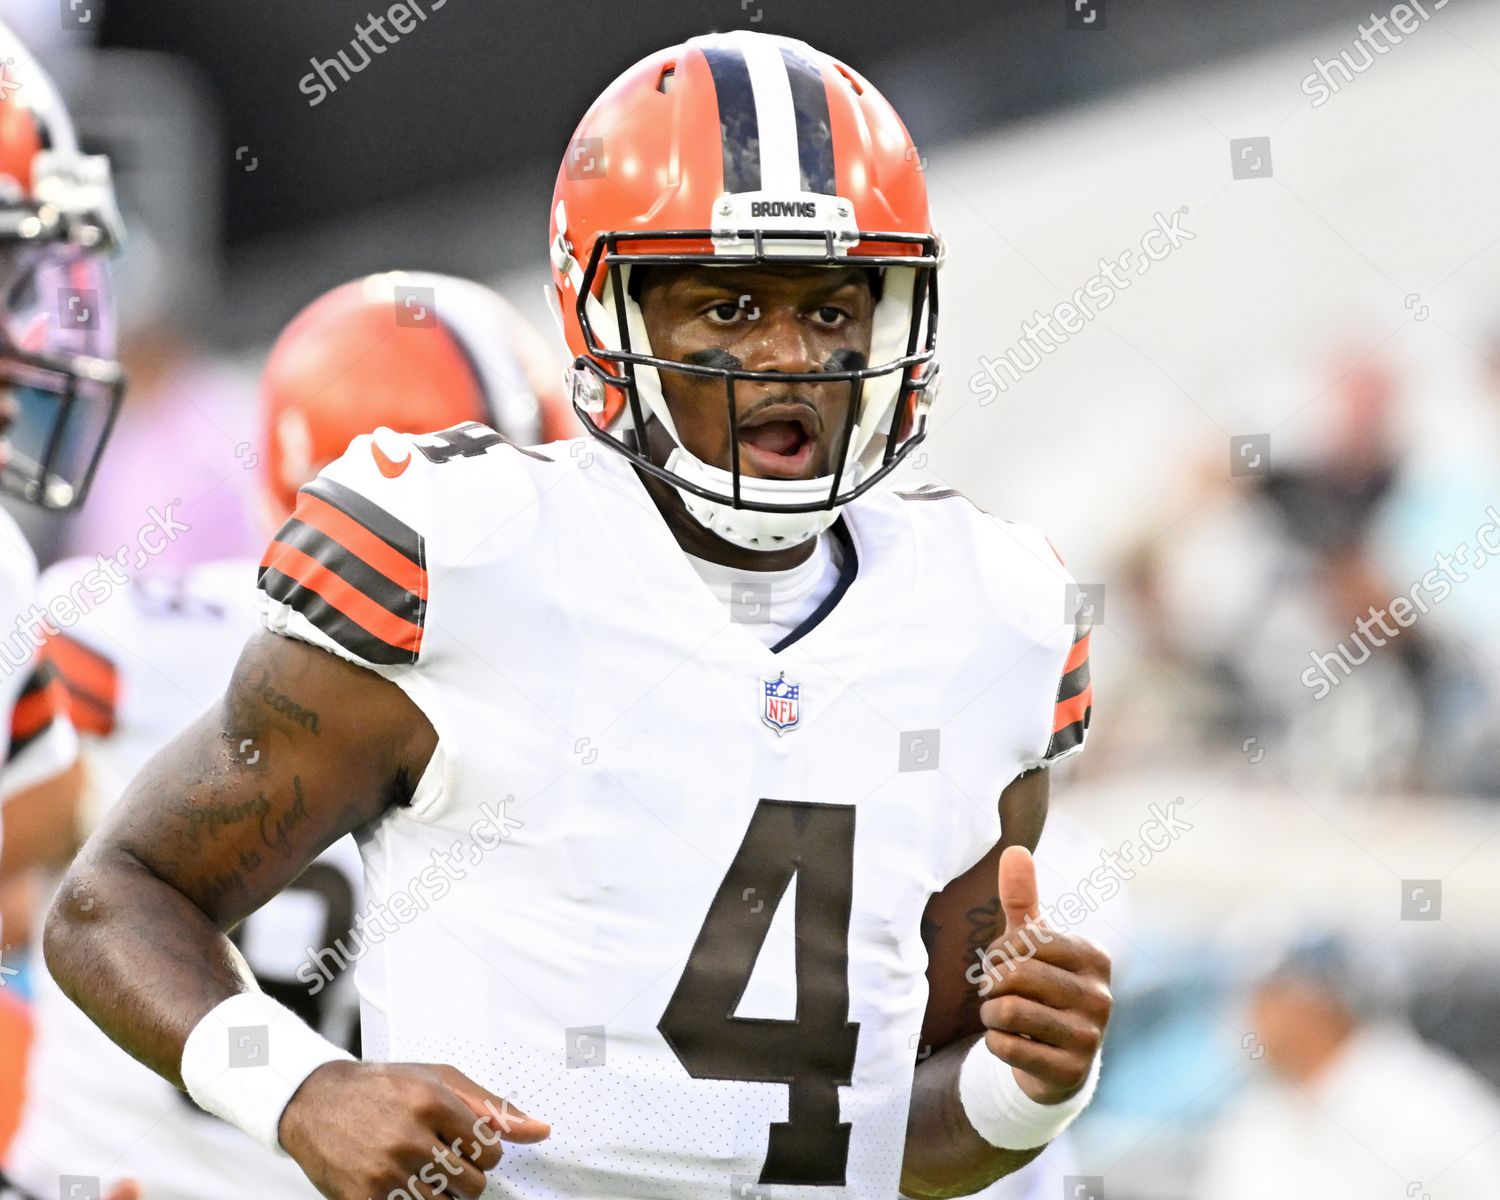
[283,705]
[274,833]
[983,923]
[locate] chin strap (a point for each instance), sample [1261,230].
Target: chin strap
[751,528]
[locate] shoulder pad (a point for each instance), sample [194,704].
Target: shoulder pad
[1033,590]
[350,570]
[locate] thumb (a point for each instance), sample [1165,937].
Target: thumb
[1018,894]
[126,1189]
[504,1117]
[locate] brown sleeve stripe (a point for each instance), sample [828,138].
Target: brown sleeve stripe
[398,561]
[1079,654]
[42,701]
[343,612]
[353,570]
[92,683]
[1075,697]
[367,515]
[1069,712]
[298,541]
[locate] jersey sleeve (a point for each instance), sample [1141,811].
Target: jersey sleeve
[1074,706]
[351,570]
[43,742]
[1060,617]
[90,679]
[348,570]
[1039,616]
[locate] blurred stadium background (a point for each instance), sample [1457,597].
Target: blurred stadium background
[1282,422]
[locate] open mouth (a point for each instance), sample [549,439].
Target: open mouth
[778,442]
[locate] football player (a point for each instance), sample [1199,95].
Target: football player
[702,768]
[144,664]
[60,388]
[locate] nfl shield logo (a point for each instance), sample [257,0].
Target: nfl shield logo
[780,707]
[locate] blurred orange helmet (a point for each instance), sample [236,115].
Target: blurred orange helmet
[412,351]
[58,223]
[733,149]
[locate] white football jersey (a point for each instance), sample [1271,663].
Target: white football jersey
[661,883]
[36,740]
[140,667]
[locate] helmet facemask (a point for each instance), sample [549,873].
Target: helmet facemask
[889,397]
[57,336]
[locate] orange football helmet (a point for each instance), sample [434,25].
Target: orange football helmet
[412,351]
[734,149]
[60,386]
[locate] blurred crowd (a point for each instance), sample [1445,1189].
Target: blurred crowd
[1324,605]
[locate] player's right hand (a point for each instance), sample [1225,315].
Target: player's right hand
[362,1129]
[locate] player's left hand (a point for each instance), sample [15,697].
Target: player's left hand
[1047,992]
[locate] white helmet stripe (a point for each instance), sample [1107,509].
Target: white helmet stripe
[775,114]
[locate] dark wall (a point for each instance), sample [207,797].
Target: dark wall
[490,89]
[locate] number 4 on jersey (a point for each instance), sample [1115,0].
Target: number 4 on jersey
[812,1054]
[462,441]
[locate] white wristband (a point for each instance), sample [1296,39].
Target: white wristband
[245,1059]
[1005,1116]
